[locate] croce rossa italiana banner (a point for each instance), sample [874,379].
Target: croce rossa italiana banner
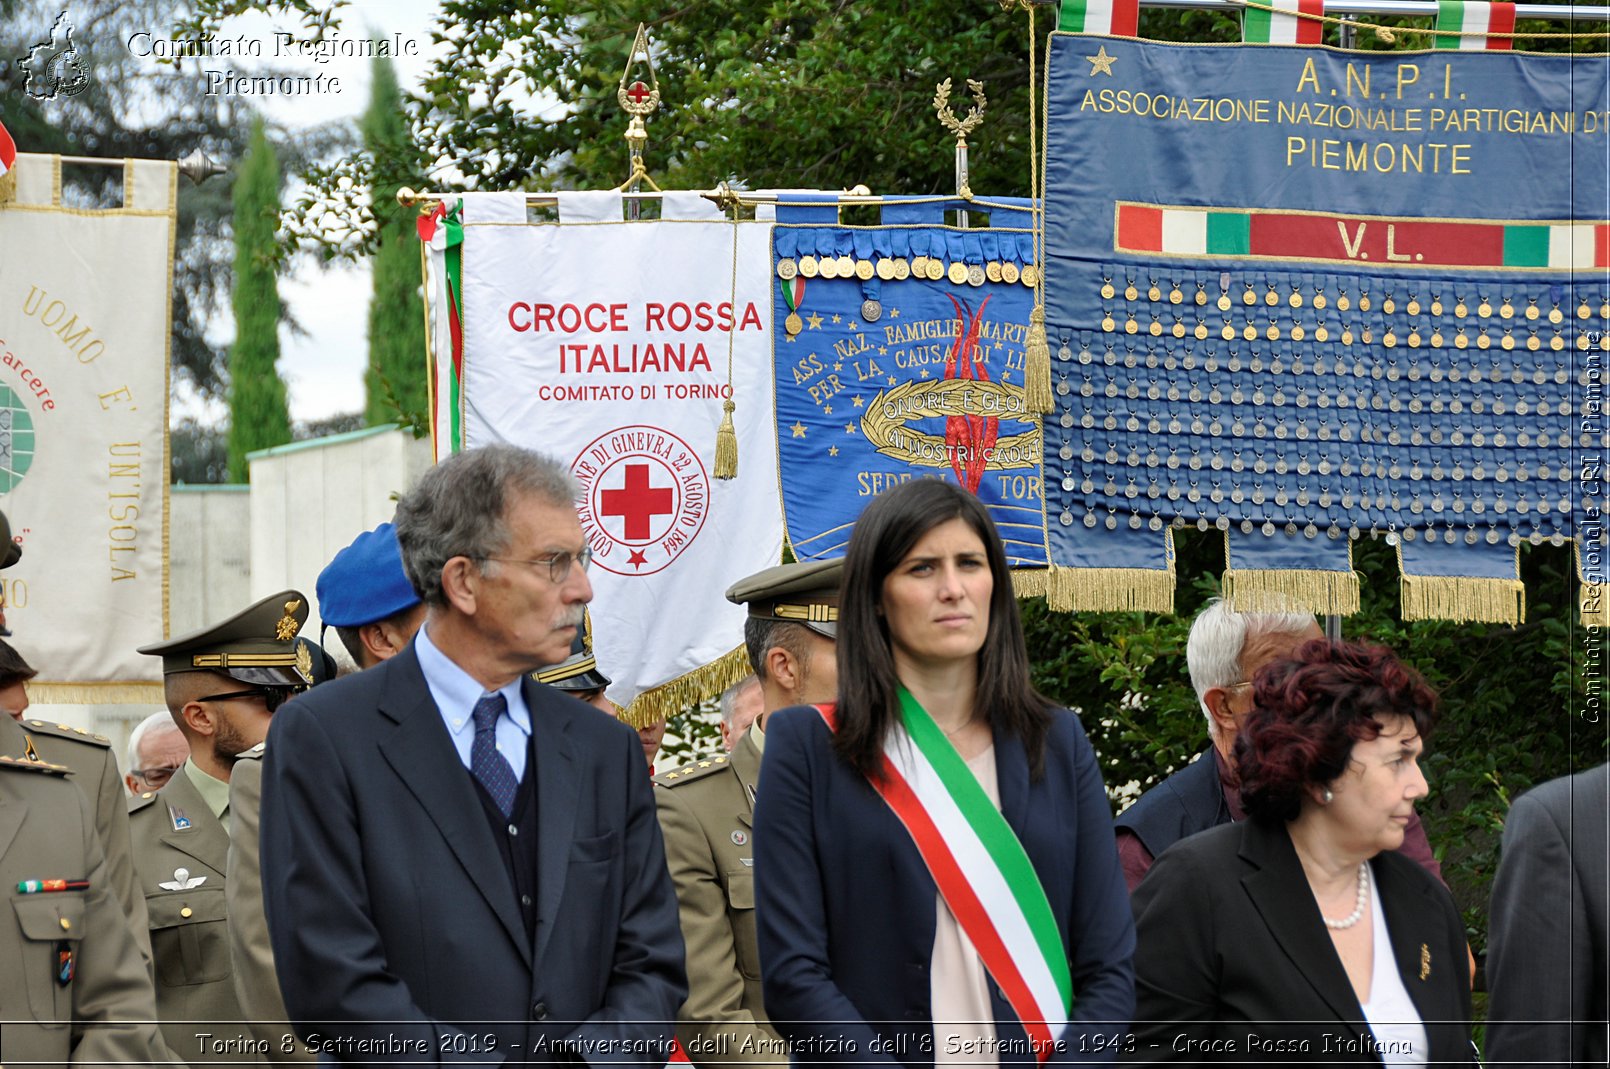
[614,346]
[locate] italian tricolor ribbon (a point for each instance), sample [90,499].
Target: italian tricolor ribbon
[1115,18]
[980,868]
[1285,22]
[1478,23]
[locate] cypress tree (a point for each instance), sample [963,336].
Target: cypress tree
[395,382]
[258,414]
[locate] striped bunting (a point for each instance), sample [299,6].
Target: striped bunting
[1115,18]
[1286,25]
[1148,228]
[980,868]
[1479,21]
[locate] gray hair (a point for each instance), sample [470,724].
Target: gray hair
[460,508]
[761,634]
[1218,636]
[153,722]
[729,697]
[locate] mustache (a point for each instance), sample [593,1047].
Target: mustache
[572,617]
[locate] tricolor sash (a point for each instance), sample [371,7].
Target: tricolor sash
[980,867]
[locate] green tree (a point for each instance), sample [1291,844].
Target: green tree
[394,383]
[258,415]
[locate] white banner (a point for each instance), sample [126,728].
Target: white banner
[84,327]
[606,345]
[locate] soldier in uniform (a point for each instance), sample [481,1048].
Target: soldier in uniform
[93,770]
[365,595]
[222,684]
[705,810]
[74,988]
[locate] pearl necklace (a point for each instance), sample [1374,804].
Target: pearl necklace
[1359,903]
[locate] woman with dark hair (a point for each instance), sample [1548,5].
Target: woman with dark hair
[1300,935]
[935,872]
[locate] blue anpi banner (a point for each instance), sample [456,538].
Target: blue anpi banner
[1304,296]
[900,355]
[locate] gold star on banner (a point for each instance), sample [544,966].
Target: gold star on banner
[1101,63]
[849,428]
[924,372]
[798,429]
[891,380]
[836,318]
[815,321]
[832,450]
[883,350]
[838,365]
[860,402]
[827,410]
[894,313]
[997,345]
[792,339]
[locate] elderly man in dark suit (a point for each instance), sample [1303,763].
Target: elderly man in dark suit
[1547,967]
[460,864]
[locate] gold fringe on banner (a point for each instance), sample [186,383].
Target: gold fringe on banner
[130,693]
[1111,590]
[1030,582]
[1595,605]
[686,691]
[8,185]
[1463,599]
[1324,592]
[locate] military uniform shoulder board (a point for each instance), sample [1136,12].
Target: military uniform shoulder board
[66,731]
[25,765]
[697,769]
[255,753]
[142,801]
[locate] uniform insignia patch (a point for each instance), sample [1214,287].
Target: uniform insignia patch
[182,881]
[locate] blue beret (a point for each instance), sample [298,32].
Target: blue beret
[365,583]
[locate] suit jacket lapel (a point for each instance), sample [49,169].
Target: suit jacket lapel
[1279,891]
[557,787]
[1405,907]
[1012,781]
[206,840]
[421,753]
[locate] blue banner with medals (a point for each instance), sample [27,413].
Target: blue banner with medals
[1303,295]
[900,356]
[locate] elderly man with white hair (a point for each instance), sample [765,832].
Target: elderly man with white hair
[157,750]
[1225,650]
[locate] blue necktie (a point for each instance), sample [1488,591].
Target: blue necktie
[490,768]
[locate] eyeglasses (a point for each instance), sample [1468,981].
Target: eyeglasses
[273,697]
[154,777]
[558,564]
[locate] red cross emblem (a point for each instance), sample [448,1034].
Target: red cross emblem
[638,502]
[638,92]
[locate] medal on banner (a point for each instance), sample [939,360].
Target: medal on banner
[793,293]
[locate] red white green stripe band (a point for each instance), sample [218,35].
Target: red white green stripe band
[980,868]
[1479,23]
[1115,18]
[1372,240]
[1284,25]
[443,232]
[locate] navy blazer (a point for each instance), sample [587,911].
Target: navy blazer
[390,908]
[1234,964]
[845,907]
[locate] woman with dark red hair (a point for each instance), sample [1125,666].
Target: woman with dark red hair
[1300,935]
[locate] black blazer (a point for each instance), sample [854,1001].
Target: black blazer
[390,908]
[845,906]
[1233,963]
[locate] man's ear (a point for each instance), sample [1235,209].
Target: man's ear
[782,667]
[461,582]
[382,640]
[1217,700]
[199,718]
